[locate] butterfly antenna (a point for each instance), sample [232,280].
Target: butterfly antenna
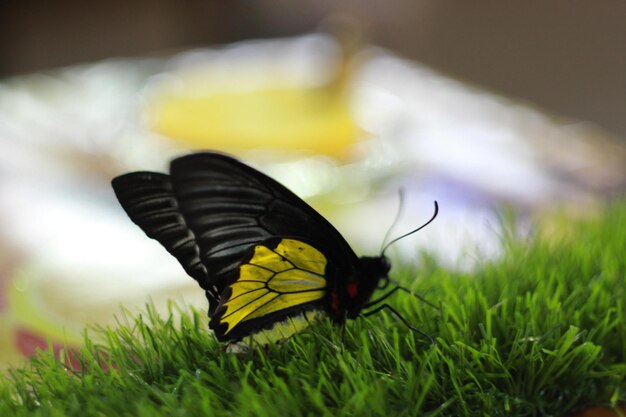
[382,252]
[395,221]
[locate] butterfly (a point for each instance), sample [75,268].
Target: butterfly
[270,264]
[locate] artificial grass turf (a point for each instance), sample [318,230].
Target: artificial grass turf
[539,332]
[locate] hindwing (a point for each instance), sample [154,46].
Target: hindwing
[276,290]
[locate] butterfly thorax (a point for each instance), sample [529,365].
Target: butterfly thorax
[351,294]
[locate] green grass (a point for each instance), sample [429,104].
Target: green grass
[538,333]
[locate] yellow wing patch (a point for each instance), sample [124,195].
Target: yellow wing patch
[288,275]
[287,328]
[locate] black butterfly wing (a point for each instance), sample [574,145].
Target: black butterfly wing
[148,199]
[212,209]
[230,206]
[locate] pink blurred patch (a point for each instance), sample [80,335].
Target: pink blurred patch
[29,342]
[3,292]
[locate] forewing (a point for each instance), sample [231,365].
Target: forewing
[230,206]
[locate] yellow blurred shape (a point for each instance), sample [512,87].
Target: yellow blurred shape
[310,119]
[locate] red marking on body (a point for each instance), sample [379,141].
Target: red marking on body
[334,301]
[352,288]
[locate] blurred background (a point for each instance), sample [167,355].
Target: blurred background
[484,107]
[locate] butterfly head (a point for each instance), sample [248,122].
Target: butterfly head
[375,267]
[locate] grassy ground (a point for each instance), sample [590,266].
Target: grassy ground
[538,333]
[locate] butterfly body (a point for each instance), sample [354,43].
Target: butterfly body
[270,264]
[348,297]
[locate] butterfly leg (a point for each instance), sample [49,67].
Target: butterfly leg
[398,315]
[382,297]
[398,287]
